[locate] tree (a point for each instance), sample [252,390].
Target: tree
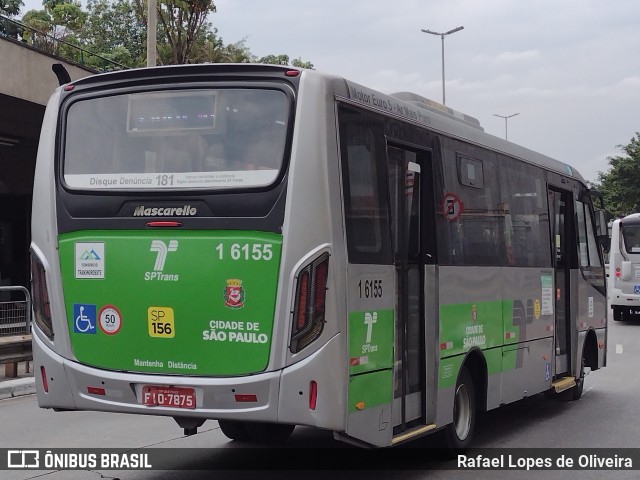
[60,20]
[117,30]
[283,59]
[114,31]
[10,8]
[183,24]
[620,186]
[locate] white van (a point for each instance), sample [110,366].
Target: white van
[624,267]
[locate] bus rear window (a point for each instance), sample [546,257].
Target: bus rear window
[631,236]
[186,139]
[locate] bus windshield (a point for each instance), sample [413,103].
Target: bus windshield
[631,236]
[179,139]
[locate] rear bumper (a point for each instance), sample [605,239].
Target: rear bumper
[617,298]
[280,396]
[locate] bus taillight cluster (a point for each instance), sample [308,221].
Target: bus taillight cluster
[309,310]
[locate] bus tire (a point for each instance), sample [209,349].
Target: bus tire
[269,433]
[234,430]
[575,392]
[620,314]
[459,433]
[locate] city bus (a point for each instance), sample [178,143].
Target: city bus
[273,247]
[624,267]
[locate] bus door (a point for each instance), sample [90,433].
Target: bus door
[560,215]
[406,172]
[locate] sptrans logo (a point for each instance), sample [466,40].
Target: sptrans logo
[162,250]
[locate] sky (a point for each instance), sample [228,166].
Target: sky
[569,69]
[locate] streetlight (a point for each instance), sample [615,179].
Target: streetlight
[505,122]
[442,35]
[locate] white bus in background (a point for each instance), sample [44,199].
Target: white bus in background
[624,267]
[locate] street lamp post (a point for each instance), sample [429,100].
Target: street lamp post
[442,35]
[151,33]
[507,117]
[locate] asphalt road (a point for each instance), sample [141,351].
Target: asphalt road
[606,416]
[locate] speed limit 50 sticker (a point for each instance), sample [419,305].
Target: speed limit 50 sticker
[109,319]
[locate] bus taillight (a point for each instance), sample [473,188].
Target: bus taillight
[309,311]
[40,295]
[302,300]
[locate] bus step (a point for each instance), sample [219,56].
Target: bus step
[564,384]
[414,432]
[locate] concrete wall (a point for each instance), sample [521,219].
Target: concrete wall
[27,74]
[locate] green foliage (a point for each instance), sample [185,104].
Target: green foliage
[299,63]
[620,186]
[59,21]
[275,60]
[117,30]
[10,8]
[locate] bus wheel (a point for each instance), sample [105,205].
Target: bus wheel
[269,433]
[620,314]
[458,434]
[576,392]
[234,430]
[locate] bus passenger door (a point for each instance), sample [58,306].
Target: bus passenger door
[405,192]
[560,220]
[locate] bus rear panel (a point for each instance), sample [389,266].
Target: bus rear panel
[624,267]
[163,279]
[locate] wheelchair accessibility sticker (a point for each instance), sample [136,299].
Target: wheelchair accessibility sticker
[636,289]
[84,318]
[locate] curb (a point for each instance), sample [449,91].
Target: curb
[17,387]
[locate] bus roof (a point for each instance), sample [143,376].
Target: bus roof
[416,108]
[410,106]
[631,219]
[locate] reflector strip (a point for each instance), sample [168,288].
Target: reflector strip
[509,335]
[313,394]
[246,397]
[446,345]
[355,361]
[96,391]
[43,374]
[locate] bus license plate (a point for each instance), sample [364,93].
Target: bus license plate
[160,396]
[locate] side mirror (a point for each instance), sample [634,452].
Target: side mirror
[601,224]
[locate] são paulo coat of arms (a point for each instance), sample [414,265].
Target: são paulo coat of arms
[234,294]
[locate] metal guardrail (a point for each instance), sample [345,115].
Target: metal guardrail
[42,42]
[15,311]
[15,328]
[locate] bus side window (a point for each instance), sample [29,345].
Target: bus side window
[587,245]
[365,191]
